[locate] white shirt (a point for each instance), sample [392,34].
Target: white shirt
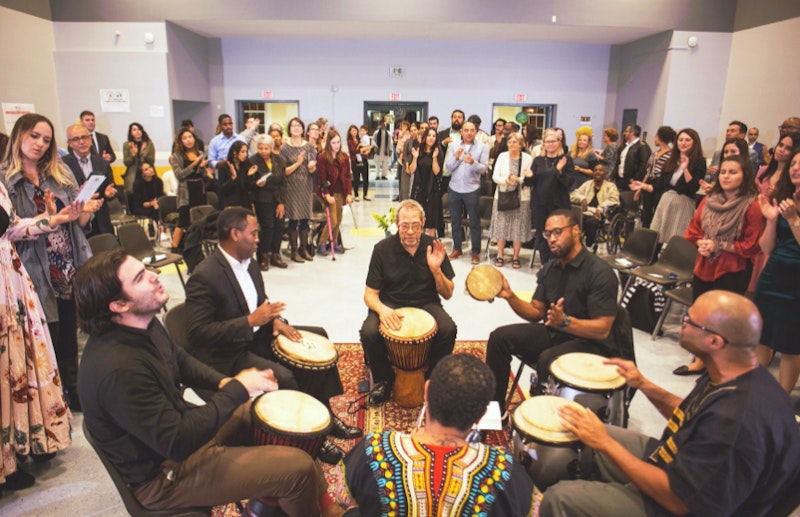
[246,283]
[622,156]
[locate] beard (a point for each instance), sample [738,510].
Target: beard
[456,126]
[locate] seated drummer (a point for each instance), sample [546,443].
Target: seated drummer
[232,322]
[576,296]
[731,447]
[406,270]
[173,454]
[461,478]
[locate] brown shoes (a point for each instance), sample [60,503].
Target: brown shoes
[263,262]
[277,261]
[476,258]
[455,254]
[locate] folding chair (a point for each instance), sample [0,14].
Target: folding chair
[638,250]
[136,242]
[681,295]
[674,267]
[102,242]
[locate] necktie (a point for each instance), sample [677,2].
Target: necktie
[84,161]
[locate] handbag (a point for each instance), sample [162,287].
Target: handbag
[509,199]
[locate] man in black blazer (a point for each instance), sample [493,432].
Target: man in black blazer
[232,322]
[632,159]
[83,163]
[101,146]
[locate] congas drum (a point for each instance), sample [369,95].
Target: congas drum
[540,443]
[408,349]
[291,418]
[484,283]
[313,352]
[585,379]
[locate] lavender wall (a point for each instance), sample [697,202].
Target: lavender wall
[447,74]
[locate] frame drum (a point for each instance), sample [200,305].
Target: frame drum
[313,352]
[408,349]
[290,418]
[484,283]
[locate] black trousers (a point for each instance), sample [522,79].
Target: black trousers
[534,344]
[361,174]
[270,227]
[378,356]
[64,334]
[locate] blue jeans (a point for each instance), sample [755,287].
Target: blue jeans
[457,202]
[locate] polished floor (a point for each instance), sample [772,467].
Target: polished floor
[330,293]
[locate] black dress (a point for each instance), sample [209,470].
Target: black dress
[426,189]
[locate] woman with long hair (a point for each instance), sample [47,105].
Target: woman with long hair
[232,176]
[777,294]
[609,154]
[678,185]
[189,165]
[335,188]
[358,161]
[301,162]
[583,157]
[552,174]
[731,147]
[665,137]
[267,190]
[137,150]
[34,414]
[146,191]
[512,225]
[426,165]
[725,228]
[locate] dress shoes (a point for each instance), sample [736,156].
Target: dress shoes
[476,258]
[19,480]
[380,393]
[263,262]
[277,261]
[455,254]
[262,507]
[330,453]
[344,431]
[684,370]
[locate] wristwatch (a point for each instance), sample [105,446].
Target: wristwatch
[567,321]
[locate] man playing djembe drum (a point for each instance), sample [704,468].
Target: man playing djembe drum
[576,296]
[409,269]
[232,322]
[173,454]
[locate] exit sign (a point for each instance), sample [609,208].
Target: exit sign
[394,96]
[520,97]
[266,94]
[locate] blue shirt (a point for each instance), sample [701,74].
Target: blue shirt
[466,177]
[219,147]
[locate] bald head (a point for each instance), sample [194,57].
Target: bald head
[732,315]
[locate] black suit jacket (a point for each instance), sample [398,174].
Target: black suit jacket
[105,145]
[635,162]
[102,219]
[218,328]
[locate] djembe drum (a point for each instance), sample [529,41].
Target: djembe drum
[584,378]
[408,349]
[312,352]
[291,418]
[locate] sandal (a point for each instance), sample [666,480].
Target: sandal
[499,262]
[515,264]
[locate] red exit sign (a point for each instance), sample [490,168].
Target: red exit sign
[520,97]
[394,96]
[266,94]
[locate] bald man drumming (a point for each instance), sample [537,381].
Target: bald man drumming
[731,447]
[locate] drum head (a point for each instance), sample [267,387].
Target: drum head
[292,412]
[538,419]
[416,324]
[312,350]
[586,371]
[484,282]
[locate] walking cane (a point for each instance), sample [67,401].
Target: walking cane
[328,216]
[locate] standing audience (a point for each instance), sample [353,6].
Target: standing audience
[513,224]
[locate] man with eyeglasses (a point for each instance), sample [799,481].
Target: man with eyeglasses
[731,447]
[83,163]
[409,269]
[572,310]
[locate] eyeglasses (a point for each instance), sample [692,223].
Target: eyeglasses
[689,321]
[79,138]
[555,232]
[410,226]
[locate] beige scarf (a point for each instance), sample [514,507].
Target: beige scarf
[723,216]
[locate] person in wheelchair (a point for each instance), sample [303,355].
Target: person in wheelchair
[597,198]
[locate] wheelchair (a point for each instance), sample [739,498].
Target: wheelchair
[617,223]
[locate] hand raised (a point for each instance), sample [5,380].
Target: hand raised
[435,255]
[769,208]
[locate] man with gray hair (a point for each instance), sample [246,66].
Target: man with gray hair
[731,447]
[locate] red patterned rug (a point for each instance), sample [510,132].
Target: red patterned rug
[351,407]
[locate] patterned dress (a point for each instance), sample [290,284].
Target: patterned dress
[33,413]
[300,183]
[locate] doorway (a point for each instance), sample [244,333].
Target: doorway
[394,112]
[267,112]
[533,117]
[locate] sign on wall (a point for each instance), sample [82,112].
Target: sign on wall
[14,110]
[115,101]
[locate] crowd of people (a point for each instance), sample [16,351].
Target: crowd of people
[741,212]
